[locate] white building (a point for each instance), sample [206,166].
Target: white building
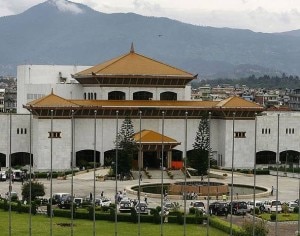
[93,99]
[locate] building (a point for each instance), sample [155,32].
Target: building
[81,108]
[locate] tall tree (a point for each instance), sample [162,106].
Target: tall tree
[198,157]
[126,145]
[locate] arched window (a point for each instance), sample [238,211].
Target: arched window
[142,95]
[116,95]
[84,96]
[168,96]
[95,96]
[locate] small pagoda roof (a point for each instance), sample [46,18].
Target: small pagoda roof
[150,136]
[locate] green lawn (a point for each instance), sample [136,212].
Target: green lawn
[41,226]
[282,217]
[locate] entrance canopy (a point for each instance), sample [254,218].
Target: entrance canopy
[153,141]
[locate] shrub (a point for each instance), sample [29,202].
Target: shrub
[273,217]
[179,218]
[296,209]
[260,228]
[5,205]
[156,216]
[37,190]
[198,217]
[134,215]
[192,210]
[19,207]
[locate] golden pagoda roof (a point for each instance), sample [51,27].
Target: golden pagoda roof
[236,102]
[133,64]
[150,136]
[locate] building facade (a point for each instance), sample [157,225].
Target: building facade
[65,113]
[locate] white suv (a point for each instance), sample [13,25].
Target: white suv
[271,205]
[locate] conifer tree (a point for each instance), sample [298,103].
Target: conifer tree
[126,145]
[198,157]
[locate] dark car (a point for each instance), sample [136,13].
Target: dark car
[219,208]
[65,202]
[141,208]
[238,208]
[125,205]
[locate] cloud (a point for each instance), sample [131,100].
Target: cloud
[66,6]
[146,5]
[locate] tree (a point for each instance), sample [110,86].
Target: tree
[127,146]
[198,157]
[37,190]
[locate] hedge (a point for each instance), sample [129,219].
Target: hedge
[225,226]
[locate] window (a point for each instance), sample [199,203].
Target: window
[168,96]
[18,130]
[142,95]
[84,96]
[240,134]
[54,134]
[116,95]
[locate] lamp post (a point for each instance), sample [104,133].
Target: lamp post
[232,164]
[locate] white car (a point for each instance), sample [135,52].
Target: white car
[2,176]
[198,205]
[258,204]
[292,205]
[102,201]
[272,205]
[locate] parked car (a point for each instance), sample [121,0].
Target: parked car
[125,205]
[141,208]
[291,206]
[78,201]
[271,205]
[238,207]
[65,202]
[102,201]
[218,208]
[2,176]
[56,197]
[258,204]
[169,205]
[198,205]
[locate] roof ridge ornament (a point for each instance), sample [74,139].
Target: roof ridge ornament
[132,48]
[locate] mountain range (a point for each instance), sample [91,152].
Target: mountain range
[63,32]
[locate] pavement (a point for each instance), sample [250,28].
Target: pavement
[83,185]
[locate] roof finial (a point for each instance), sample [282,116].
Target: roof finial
[132,48]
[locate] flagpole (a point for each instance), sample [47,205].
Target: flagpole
[185,172]
[10,172]
[139,166]
[30,164]
[254,173]
[277,166]
[162,176]
[208,178]
[116,170]
[94,189]
[51,180]
[232,164]
[72,172]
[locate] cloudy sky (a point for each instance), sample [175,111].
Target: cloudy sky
[257,15]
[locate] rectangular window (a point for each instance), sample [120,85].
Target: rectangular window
[54,134]
[240,134]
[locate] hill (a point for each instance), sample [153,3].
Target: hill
[62,32]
